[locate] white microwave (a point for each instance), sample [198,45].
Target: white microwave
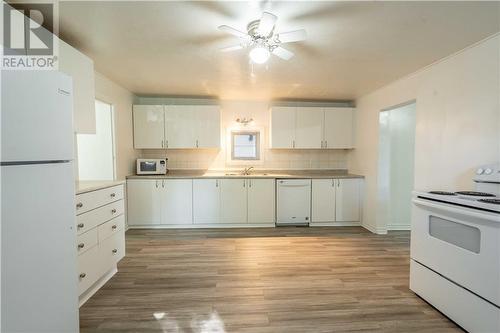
[151,166]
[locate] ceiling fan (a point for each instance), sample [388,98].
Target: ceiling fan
[262,39]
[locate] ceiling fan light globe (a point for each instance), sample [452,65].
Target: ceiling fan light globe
[259,54]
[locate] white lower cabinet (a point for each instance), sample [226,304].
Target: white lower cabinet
[233,200]
[206,201]
[143,202]
[176,201]
[261,200]
[335,200]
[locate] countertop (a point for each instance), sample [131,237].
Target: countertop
[288,174]
[93,185]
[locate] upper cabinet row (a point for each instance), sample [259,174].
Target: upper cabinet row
[176,126]
[312,128]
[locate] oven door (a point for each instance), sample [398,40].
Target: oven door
[461,244]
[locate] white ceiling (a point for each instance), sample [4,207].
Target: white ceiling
[171,48]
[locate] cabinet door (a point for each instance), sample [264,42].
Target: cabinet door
[283,127]
[149,126]
[309,128]
[323,200]
[206,201]
[347,200]
[339,128]
[177,201]
[233,201]
[207,120]
[179,129]
[261,196]
[143,200]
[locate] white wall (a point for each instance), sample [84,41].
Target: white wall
[122,101]
[272,158]
[457,124]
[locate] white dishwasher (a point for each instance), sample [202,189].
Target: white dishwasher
[293,202]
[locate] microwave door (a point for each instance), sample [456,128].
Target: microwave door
[148,166]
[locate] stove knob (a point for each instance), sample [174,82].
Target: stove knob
[479,171]
[488,171]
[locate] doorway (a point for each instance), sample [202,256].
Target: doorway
[96,152]
[396,165]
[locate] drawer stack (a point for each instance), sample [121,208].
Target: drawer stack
[101,236]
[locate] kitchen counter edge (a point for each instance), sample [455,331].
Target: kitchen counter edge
[85,186]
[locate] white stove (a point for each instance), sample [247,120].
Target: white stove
[455,251]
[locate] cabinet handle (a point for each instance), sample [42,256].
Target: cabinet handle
[82,275]
[196,143]
[216,183]
[326,144]
[162,143]
[293,143]
[81,246]
[79,205]
[114,251]
[112,195]
[163,183]
[166,144]
[249,183]
[333,182]
[338,182]
[113,211]
[156,184]
[80,225]
[113,226]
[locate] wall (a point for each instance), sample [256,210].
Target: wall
[122,101]
[457,124]
[272,159]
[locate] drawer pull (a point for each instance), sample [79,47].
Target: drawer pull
[79,205]
[114,251]
[113,226]
[80,225]
[113,195]
[82,275]
[113,211]
[81,245]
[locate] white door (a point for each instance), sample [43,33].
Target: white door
[347,200]
[233,201]
[143,200]
[323,200]
[177,201]
[206,201]
[309,128]
[179,129]
[283,127]
[207,120]
[339,128]
[149,127]
[261,194]
[294,201]
[36,116]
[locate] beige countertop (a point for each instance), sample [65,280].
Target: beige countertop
[93,185]
[289,174]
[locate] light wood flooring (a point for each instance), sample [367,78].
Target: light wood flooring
[292,280]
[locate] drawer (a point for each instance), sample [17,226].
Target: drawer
[92,219]
[111,227]
[86,241]
[89,269]
[91,200]
[112,250]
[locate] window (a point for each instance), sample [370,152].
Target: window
[245,145]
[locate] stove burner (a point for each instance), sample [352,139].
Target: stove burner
[441,193]
[491,201]
[475,194]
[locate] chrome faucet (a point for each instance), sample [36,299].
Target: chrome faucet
[246,171]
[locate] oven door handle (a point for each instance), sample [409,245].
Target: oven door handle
[490,217]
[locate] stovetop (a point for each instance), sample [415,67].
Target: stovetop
[470,199]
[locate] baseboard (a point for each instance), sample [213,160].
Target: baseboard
[96,286]
[335,224]
[399,227]
[201,226]
[375,230]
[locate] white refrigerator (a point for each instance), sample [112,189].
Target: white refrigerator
[39,285]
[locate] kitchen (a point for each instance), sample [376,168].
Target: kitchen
[211,192]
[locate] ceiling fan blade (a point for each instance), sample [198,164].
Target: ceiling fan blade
[266,24]
[233,31]
[292,36]
[231,48]
[283,53]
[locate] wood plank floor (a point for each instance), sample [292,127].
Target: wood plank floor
[262,280]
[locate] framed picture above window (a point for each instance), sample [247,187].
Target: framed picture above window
[245,145]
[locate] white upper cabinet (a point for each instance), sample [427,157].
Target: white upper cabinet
[347,200]
[149,126]
[207,125]
[81,69]
[179,129]
[206,201]
[233,200]
[309,128]
[283,127]
[339,128]
[323,200]
[176,201]
[261,197]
